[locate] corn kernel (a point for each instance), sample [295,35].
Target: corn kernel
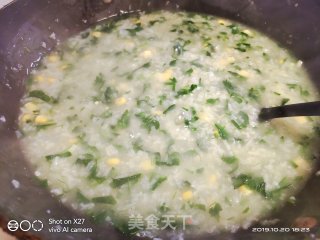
[187,195]
[121,101]
[26,118]
[40,120]
[222,63]
[146,54]
[244,73]
[157,112]
[147,165]
[31,107]
[213,179]
[39,78]
[302,165]
[301,120]
[96,34]
[248,32]
[53,58]
[222,22]
[245,190]
[165,76]
[51,79]
[73,140]
[204,116]
[113,161]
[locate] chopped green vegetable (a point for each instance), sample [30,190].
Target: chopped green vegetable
[118,182]
[173,159]
[133,32]
[171,107]
[214,210]
[172,82]
[99,81]
[105,200]
[254,94]
[85,159]
[191,26]
[237,75]
[109,94]
[241,120]
[243,46]
[222,132]
[231,90]
[189,71]
[42,95]
[198,206]
[94,175]
[137,145]
[148,122]
[81,198]
[284,101]
[186,90]
[158,182]
[230,159]
[255,183]
[60,155]
[212,101]
[123,122]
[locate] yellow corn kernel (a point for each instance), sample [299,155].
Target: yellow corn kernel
[26,118]
[222,22]
[301,120]
[157,112]
[147,165]
[245,190]
[73,140]
[51,79]
[244,73]
[121,101]
[40,120]
[146,54]
[187,195]
[204,116]
[222,63]
[165,76]
[31,107]
[213,179]
[302,165]
[53,58]
[39,78]
[96,34]
[248,32]
[113,161]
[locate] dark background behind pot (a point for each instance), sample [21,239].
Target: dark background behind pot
[26,24]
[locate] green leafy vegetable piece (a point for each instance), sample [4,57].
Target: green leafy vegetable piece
[158,182]
[99,81]
[255,183]
[123,122]
[230,159]
[254,94]
[232,91]
[105,200]
[191,26]
[215,209]
[222,132]
[212,101]
[284,101]
[173,159]
[241,121]
[243,46]
[81,198]
[94,174]
[189,71]
[109,95]
[148,122]
[85,159]
[118,182]
[137,145]
[60,155]
[199,206]
[186,90]
[234,29]
[172,82]
[171,107]
[42,95]
[135,30]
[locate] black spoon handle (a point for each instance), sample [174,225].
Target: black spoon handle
[291,110]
